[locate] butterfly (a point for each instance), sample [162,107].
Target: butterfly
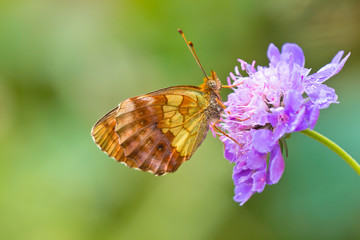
[158,131]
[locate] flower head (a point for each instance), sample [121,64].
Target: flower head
[266,106]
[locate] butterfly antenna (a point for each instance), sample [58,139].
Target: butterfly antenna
[192,50]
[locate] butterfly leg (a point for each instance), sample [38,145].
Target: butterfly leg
[231,86]
[220,103]
[224,107]
[219,131]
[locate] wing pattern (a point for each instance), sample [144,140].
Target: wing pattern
[155,132]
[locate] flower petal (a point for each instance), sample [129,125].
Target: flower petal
[230,149]
[255,160]
[276,165]
[337,57]
[259,183]
[243,193]
[241,176]
[313,115]
[297,52]
[273,54]
[263,140]
[321,94]
[328,70]
[296,120]
[293,101]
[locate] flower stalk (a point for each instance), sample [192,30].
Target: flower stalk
[334,147]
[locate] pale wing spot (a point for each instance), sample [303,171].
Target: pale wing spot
[190,125]
[193,111]
[180,140]
[177,119]
[165,130]
[132,104]
[175,131]
[126,106]
[167,108]
[169,114]
[174,100]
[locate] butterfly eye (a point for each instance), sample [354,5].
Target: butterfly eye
[212,84]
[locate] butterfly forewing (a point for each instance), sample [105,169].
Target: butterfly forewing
[155,132]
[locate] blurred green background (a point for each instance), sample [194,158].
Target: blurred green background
[64,64]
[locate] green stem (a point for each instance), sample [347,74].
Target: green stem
[333,146]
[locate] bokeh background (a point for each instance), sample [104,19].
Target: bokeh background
[63,64]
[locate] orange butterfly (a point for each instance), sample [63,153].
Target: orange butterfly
[158,131]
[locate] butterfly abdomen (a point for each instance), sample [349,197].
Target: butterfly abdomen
[214,110]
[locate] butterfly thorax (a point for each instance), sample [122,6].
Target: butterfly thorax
[212,86]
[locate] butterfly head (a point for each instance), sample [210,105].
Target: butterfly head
[213,82]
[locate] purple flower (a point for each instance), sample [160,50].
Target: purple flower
[266,106]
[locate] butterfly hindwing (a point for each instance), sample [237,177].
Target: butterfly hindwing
[105,137]
[155,132]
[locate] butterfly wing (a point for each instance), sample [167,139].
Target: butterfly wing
[155,132]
